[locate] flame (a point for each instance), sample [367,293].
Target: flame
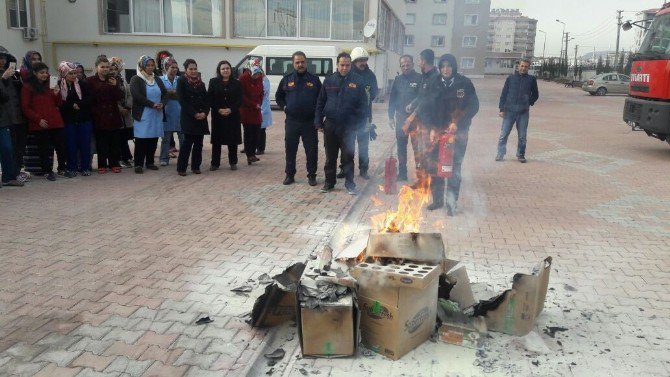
[381,188]
[376,201]
[407,218]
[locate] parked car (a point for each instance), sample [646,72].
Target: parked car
[605,83]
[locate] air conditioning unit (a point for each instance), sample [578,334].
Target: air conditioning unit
[30,33]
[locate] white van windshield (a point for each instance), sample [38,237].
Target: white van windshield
[283,65]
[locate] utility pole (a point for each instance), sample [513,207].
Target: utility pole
[566,51]
[575,70]
[618,32]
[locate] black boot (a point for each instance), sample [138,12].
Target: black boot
[437,190]
[311,179]
[340,174]
[290,179]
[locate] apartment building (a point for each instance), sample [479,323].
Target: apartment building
[206,30]
[511,36]
[458,27]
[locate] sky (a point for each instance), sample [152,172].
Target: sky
[592,22]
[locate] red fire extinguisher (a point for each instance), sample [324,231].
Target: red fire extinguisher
[445,159]
[391,175]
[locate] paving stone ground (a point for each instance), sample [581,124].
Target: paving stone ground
[106,275]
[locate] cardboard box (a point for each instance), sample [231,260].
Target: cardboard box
[514,311]
[277,304]
[330,330]
[397,314]
[416,247]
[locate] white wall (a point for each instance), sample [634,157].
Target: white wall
[12,39]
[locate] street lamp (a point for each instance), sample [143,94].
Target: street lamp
[562,35]
[544,44]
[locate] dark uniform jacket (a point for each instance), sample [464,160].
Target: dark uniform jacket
[297,95]
[193,100]
[225,130]
[404,90]
[342,101]
[424,96]
[453,100]
[519,93]
[371,89]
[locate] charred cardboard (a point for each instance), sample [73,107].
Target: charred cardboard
[514,311]
[277,304]
[417,247]
[396,318]
[460,335]
[330,330]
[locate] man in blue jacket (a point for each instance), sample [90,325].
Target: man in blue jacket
[518,95]
[297,94]
[340,109]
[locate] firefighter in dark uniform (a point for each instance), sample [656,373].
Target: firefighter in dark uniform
[366,132]
[453,103]
[297,94]
[339,111]
[404,90]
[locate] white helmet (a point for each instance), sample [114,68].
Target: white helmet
[359,53]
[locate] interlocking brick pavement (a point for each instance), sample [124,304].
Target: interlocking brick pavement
[106,275]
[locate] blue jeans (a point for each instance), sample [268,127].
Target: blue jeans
[521,121]
[79,146]
[165,144]
[7,155]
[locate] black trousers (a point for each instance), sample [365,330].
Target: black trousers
[19,137]
[145,150]
[294,131]
[47,138]
[124,149]
[453,183]
[216,154]
[402,139]
[191,143]
[260,144]
[336,138]
[251,132]
[108,145]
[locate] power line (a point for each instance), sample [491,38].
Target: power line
[606,22]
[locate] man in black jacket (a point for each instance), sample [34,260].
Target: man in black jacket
[339,110]
[453,103]
[404,90]
[518,95]
[359,61]
[297,94]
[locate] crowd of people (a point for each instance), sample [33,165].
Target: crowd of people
[66,114]
[78,116]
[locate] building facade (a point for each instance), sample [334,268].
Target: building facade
[511,36]
[458,27]
[212,30]
[644,18]
[20,28]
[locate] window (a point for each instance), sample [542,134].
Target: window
[410,18]
[469,42]
[323,19]
[411,1]
[467,63]
[19,15]
[314,19]
[181,17]
[472,1]
[282,18]
[409,40]
[437,41]
[440,1]
[348,20]
[471,20]
[440,19]
[624,78]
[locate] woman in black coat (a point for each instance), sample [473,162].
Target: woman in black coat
[225,98]
[192,96]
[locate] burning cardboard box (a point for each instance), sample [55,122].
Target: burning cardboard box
[397,294]
[327,312]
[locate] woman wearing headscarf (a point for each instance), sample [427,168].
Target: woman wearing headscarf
[149,98]
[81,72]
[40,104]
[160,58]
[172,109]
[29,59]
[266,113]
[225,98]
[192,96]
[76,113]
[107,120]
[250,111]
[454,104]
[125,104]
